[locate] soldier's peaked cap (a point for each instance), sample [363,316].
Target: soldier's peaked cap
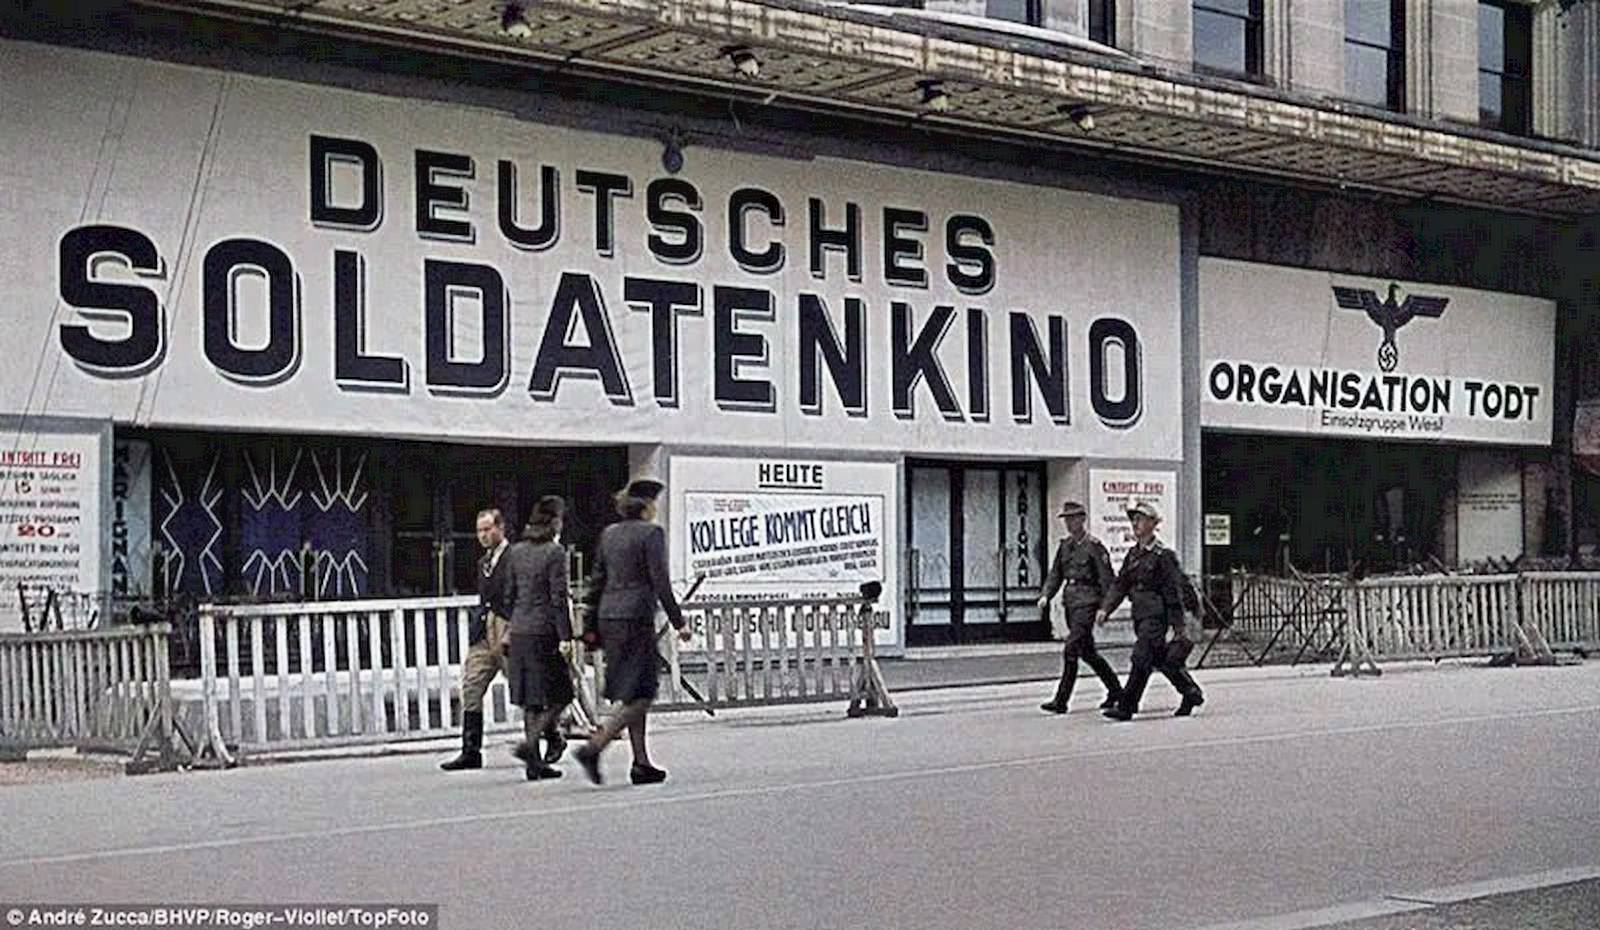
[1072,509]
[647,489]
[1146,508]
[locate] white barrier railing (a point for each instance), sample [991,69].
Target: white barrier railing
[769,652]
[278,677]
[101,689]
[1564,607]
[1434,617]
[1415,617]
[306,675]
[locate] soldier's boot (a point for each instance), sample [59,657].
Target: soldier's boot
[1190,701]
[1108,677]
[1069,677]
[471,756]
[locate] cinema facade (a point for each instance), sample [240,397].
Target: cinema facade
[280,332]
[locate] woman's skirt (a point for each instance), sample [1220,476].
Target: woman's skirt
[632,668]
[537,673]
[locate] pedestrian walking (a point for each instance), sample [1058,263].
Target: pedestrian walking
[1152,581]
[539,635]
[1081,571]
[485,631]
[628,581]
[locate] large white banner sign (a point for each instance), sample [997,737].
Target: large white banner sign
[52,496]
[1313,353]
[205,249]
[769,529]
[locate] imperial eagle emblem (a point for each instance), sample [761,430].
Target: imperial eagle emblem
[1391,313]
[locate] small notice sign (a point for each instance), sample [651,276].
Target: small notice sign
[1219,529]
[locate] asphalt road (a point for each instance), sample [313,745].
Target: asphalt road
[1284,797]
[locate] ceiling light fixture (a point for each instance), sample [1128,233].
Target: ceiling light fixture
[744,60]
[514,23]
[1080,116]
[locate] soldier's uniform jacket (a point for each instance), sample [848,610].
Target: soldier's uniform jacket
[1153,584]
[630,574]
[1081,571]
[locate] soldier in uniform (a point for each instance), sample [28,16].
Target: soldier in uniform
[628,581]
[485,632]
[1153,582]
[1082,573]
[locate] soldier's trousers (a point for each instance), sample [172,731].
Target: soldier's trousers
[1150,655]
[484,661]
[1080,646]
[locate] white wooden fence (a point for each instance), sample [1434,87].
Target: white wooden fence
[1565,607]
[101,689]
[1434,617]
[279,677]
[1528,616]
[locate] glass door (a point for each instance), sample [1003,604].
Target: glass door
[977,547]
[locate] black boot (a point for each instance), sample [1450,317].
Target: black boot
[646,774]
[1069,678]
[1190,701]
[471,756]
[554,745]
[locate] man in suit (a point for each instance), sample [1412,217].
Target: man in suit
[628,581]
[484,632]
[1082,573]
[1153,583]
[485,655]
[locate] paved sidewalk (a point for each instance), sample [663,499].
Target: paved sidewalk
[966,666]
[1564,907]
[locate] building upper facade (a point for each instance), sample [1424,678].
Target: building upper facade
[1489,105]
[1523,67]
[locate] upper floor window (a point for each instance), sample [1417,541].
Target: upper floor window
[1375,52]
[1227,36]
[1505,66]
[1027,12]
[1103,21]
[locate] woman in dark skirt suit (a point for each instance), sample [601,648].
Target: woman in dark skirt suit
[541,625]
[628,581]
